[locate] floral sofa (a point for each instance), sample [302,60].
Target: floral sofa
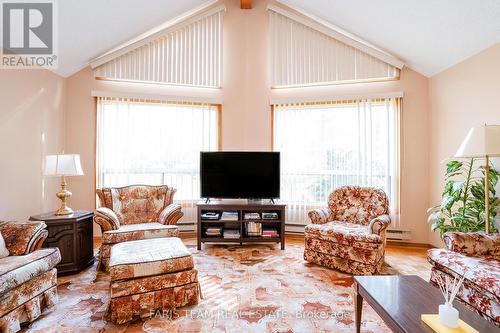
[133,213]
[477,256]
[28,277]
[349,235]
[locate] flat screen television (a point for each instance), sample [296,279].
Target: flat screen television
[240,175]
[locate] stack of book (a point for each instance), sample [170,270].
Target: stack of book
[210,216]
[252,216]
[229,216]
[231,233]
[269,215]
[254,228]
[213,231]
[270,233]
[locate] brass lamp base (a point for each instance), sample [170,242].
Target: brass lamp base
[64,211]
[63,195]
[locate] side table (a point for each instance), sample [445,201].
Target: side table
[73,235]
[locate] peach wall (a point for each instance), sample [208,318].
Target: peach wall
[31,126]
[463,96]
[246,118]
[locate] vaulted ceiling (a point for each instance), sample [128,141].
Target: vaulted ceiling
[91,27]
[428,35]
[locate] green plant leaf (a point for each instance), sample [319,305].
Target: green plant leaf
[448,202]
[453,166]
[448,188]
[457,187]
[434,217]
[462,205]
[493,177]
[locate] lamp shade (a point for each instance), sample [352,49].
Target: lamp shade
[63,165]
[481,141]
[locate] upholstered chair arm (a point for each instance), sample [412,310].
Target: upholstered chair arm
[23,237]
[319,216]
[106,219]
[171,214]
[473,244]
[379,224]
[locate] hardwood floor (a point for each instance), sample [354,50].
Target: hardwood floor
[406,259]
[409,260]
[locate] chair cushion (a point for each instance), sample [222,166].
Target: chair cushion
[15,270]
[349,234]
[140,203]
[130,232]
[148,257]
[482,273]
[357,204]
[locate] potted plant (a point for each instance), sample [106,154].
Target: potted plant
[462,205]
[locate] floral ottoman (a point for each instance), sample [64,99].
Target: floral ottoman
[150,275]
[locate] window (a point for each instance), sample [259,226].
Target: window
[187,53]
[327,145]
[306,52]
[140,142]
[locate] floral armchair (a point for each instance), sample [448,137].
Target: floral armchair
[477,256]
[135,212]
[349,234]
[28,277]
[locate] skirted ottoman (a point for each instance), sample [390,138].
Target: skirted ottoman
[150,275]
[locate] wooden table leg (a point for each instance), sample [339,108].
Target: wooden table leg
[358,307]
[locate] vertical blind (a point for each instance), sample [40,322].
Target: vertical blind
[302,56]
[328,145]
[154,143]
[191,56]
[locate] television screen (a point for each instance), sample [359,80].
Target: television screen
[240,175]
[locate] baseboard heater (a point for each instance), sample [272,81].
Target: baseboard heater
[398,235]
[395,235]
[186,226]
[293,228]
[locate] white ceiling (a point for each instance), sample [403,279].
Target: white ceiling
[88,28]
[429,35]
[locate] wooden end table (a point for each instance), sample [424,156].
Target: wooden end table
[73,235]
[400,300]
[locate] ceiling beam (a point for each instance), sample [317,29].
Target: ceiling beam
[246,4]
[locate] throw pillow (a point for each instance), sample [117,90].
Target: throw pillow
[4,252]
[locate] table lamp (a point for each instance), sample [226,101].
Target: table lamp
[63,165]
[482,141]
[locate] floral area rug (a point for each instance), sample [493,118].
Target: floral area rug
[252,288]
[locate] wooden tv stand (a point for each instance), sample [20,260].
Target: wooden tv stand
[241,206]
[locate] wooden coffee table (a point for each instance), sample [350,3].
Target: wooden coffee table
[400,300]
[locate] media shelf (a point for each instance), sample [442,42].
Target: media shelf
[240,224]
